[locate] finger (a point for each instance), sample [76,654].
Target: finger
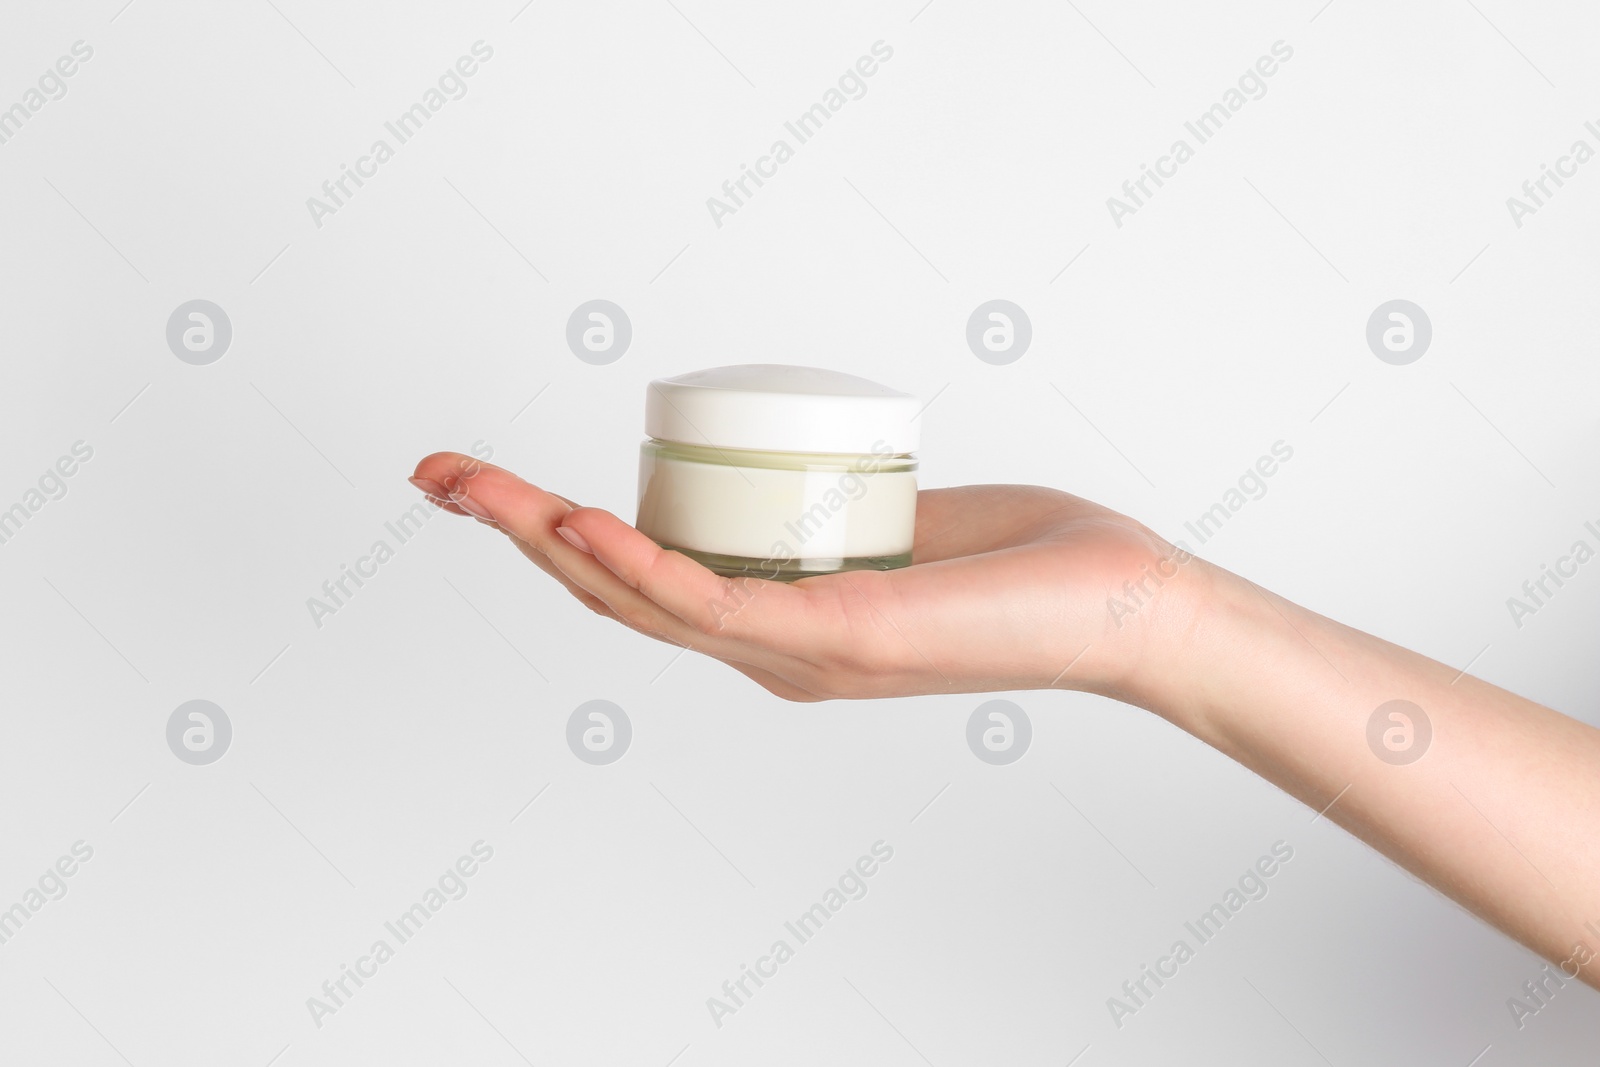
[437,495]
[530,516]
[428,480]
[773,684]
[767,615]
[441,477]
[579,593]
[765,679]
[459,471]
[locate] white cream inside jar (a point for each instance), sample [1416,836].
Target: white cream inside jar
[779,472]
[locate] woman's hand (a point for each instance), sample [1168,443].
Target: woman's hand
[1017,587]
[1011,587]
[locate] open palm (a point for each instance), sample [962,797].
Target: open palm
[1011,587]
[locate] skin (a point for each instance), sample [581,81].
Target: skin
[1025,587]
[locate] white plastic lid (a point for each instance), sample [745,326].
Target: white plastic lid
[776,408]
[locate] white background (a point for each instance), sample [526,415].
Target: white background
[369,753]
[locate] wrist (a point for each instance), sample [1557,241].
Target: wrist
[1137,647]
[1193,662]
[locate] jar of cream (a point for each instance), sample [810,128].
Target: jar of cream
[779,472]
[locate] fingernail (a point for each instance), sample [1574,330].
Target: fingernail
[575,539]
[467,504]
[429,486]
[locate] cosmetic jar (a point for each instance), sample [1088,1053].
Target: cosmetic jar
[779,472]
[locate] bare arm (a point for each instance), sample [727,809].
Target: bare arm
[1491,798]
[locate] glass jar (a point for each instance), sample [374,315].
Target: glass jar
[779,472]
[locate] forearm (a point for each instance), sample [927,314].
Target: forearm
[1501,810]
